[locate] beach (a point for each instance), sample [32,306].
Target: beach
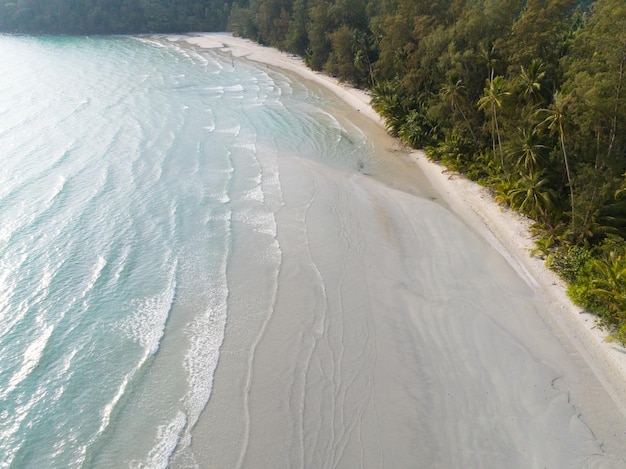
[410,327]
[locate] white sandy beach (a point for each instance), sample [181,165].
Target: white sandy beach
[406,332]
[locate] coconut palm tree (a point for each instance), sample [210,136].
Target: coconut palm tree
[527,152]
[453,92]
[493,96]
[529,81]
[554,121]
[387,100]
[533,196]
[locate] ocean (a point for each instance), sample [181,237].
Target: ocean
[132,170]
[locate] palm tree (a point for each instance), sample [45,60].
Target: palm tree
[527,151]
[554,122]
[364,44]
[388,102]
[454,93]
[533,196]
[529,81]
[493,96]
[610,284]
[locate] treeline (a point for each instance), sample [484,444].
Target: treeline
[112,16]
[527,97]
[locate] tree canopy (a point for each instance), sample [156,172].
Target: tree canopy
[112,16]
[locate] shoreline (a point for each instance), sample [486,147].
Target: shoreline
[506,231]
[509,233]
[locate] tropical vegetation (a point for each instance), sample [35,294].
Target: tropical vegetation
[113,16]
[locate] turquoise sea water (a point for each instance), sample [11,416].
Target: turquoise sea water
[131,170]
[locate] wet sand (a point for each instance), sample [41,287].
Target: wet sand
[404,332]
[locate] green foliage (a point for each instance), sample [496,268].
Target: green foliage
[621,192]
[541,31]
[241,22]
[494,94]
[454,94]
[531,83]
[544,246]
[113,16]
[340,61]
[388,100]
[600,286]
[458,153]
[416,129]
[320,46]
[568,261]
[533,196]
[527,151]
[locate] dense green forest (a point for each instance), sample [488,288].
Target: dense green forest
[527,97]
[113,16]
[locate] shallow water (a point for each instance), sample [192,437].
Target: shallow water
[132,170]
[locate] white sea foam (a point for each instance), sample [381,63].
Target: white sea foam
[221,215]
[105,414]
[64,373]
[30,360]
[201,58]
[272,191]
[284,88]
[234,88]
[57,188]
[100,264]
[121,264]
[206,334]
[261,222]
[147,324]
[221,197]
[152,41]
[234,130]
[253,194]
[166,441]
[246,146]
[215,89]
[214,64]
